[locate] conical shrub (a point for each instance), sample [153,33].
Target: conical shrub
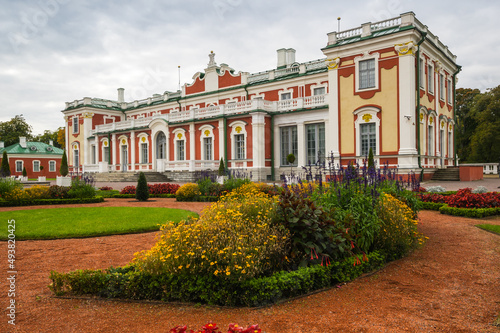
[142,190]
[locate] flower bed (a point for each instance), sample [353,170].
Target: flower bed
[255,246]
[163,188]
[463,203]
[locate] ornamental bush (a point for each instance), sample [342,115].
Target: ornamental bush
[80,189]
[58,192]
[398,230]
[5,168]
[188,192]
[9,184]
[37,192]
[232,239]
[142,191]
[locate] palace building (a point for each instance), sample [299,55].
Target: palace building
[388,86]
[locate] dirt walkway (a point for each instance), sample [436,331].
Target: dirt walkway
[450,285]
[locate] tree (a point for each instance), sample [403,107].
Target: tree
[25,173]
[48,136]
[5,169]
[466,122]
[63,170]
[11,130]
[485,141]
[142,189]
[222,168]
[61,137]
[371,161]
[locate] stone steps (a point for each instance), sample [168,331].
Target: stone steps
[130,177]
[448,174]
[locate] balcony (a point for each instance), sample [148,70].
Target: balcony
[217,111]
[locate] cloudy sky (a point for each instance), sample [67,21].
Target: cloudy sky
[56,51]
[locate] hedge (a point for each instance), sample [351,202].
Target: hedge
[126,283]
[39,202]
[431,205]
[132,196]
[469,212]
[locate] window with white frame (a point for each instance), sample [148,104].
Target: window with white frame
[430,140]
[430,79]
[368,138]
[315,136]
[319,91]
[288,144]
[76,158]
[422,74]
[36,166]
[367,74]
[75,124]
[239,146]
[441,87]
[161,146]
[144,153]
[19,166]
[207,149]
[52,166]
[93,153]
[286,96]
[105,152]
[180,150]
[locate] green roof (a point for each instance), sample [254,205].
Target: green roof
[32,148]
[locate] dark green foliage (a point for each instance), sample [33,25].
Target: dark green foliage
[371,161]
[231,183]
[126,282]
[142,190]
[5,169]
[63,170]
[24,172]
[469,212]
[290,158]
[80,189]
[39,202]
[16,127]
[222,168]
[432,205]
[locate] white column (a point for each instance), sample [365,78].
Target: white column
[87,125]
[258,140]
[113,149]
[221,140]
[132,150]
[333,129]
[192,141]
[301,141]
[407,121]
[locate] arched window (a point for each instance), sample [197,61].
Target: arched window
[161,146]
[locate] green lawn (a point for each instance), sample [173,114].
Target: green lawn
[87,221]
[490,227]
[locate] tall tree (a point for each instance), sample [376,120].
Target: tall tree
[11,130]
[5,169]
[466,123]
[485,141]
[47,136]
[61,137]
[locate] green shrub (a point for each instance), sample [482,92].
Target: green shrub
[9,184]
[79,189]
[233,183]
[142,191]
[35,202]
[232,238]
[5,168]
[469,212]
[128,282]
[37,192]
[58,192]
[431,205]
[188,192]
[63,170]
[24,172]
[222,168]
[398,231]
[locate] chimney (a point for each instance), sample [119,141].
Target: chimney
[51,142]
[22,141]
[290,57]
[281,58]
[121,95]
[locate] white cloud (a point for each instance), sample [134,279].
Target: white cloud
[54,51]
